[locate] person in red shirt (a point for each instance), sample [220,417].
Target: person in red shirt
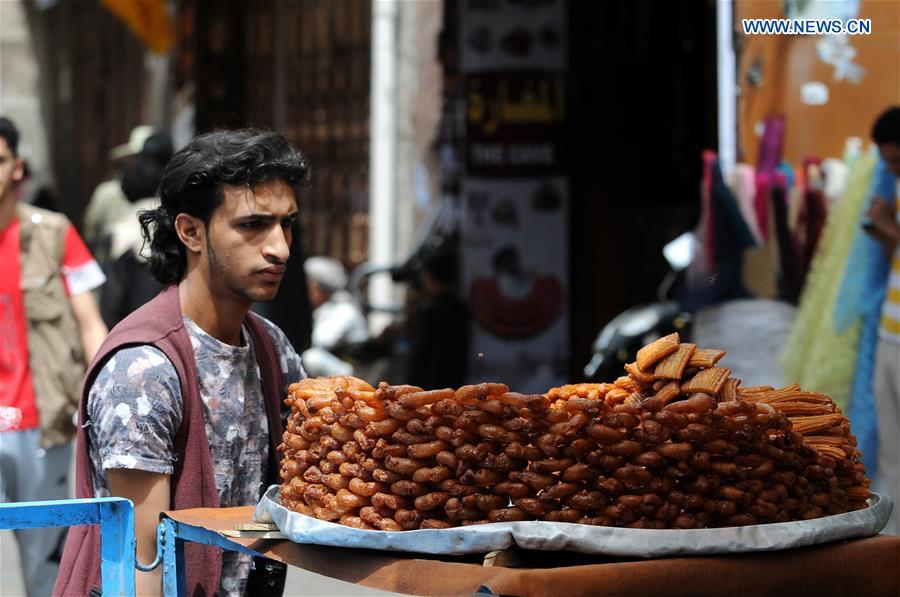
[34,464]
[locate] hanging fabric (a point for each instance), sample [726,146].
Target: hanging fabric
[836,174]
[769,157]
[727,236]
[862,293]
[816,354]
[744,188]
[814,212]
[790,283]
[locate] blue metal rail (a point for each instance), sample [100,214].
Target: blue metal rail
[173,537]
[115,517]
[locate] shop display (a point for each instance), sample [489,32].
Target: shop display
[675,443]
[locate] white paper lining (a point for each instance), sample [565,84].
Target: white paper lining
[557,536]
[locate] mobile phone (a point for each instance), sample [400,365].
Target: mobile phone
[867,225]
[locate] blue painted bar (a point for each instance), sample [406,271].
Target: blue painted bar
[117,548]
[194,534]
[173,563]
[175,534]
[31,515]
[180,568]
[115,517]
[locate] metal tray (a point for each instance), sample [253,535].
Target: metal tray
[558,536]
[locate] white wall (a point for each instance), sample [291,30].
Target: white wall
[19,92]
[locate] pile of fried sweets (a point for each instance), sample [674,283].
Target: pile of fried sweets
[676,443]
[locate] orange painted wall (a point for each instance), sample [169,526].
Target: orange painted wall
[789,61]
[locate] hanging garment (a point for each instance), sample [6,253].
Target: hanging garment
[761,203]
[814,213]
[771,144]
[743,185]
[790,177]
[701,265]
[797,208]
[836,174]
[709,160]
[816,354]
[766,164]
[760,265]
[789,281]
[727,237]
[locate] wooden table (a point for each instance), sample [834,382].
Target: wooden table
[857,567]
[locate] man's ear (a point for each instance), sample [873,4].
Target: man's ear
[191,231]
[19,170]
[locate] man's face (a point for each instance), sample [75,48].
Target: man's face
[248,240]
[11,171]
[890,153]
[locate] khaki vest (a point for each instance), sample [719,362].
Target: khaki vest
[55,351]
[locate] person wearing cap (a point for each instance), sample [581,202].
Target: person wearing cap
[338,321]
[109,203]
[129,283]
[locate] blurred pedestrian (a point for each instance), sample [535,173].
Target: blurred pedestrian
[50,328]
[884,215]
[338,321]
[129,283]
[108,202]
[35,190]
[439,330]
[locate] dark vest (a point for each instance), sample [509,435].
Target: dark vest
[159,324]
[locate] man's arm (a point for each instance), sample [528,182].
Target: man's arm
[90,323]
[885,229]
[150,494]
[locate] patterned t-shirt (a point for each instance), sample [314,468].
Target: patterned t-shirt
[135,408]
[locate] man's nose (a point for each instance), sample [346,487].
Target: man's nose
[278,244]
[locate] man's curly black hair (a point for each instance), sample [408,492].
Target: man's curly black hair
[192,184]
[887,127]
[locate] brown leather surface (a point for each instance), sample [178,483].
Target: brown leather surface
[859,567]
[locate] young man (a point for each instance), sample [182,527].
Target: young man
[884,214]
[50,327]
[181,407]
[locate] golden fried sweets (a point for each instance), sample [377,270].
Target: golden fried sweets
[672,366]
[674,443]
[656,350]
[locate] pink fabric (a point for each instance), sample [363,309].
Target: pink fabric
[744,189]
[761,204]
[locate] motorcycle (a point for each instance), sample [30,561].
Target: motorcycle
[620,339]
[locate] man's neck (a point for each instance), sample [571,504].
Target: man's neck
[7,210]
[219,318]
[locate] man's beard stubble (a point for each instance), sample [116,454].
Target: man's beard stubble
[219,272]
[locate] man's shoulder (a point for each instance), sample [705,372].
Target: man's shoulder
[128,355]
[40,216]
[275,333]
[151,322]
[133,365]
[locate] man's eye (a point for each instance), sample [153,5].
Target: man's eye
[251,224]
